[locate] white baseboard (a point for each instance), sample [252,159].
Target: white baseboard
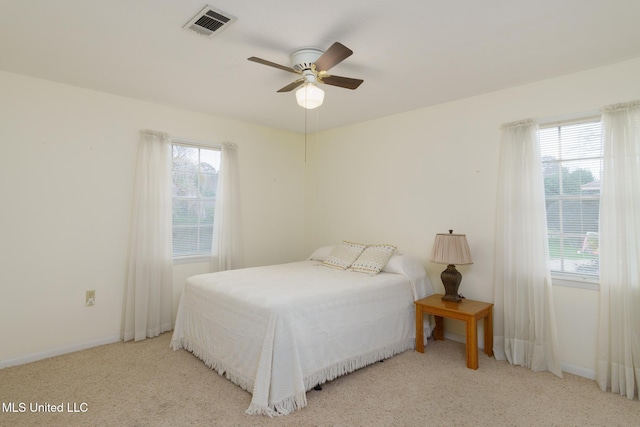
[459,338]
[58,352]
[566,367]
[578,370]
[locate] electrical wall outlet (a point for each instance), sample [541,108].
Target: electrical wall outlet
[91,298]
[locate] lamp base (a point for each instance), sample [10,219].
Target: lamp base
[451,279]
[452,298]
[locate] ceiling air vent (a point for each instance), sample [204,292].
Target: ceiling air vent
[210,21]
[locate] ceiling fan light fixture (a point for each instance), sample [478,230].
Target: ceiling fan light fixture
[309,96]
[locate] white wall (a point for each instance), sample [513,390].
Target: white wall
[66,175]
[402,179]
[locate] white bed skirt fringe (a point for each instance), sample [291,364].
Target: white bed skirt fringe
[299,400]
[243,381]
[346,366]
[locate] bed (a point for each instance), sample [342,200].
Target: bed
[278,331]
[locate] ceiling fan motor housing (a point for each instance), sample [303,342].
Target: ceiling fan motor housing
[302,59]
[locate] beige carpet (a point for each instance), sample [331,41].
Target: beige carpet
[148,384]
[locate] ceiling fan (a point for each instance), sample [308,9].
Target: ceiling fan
[313,65]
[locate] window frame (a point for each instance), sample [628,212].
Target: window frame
[196,258]
[573,280]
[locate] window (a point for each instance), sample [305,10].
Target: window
[571,155]
[195,179]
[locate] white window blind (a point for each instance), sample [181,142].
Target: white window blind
[195,180]
[572,166]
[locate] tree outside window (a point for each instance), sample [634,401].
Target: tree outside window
[195,180]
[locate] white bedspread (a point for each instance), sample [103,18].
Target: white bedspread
[278,331]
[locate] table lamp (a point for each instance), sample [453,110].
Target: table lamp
[451,249]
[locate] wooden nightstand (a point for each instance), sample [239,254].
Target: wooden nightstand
[467,310]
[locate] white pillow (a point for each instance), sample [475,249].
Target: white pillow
[321,254]
[395,264]
[343,255]
[373,259]
[402,264]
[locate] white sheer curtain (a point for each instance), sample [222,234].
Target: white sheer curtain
[148,305]
[524,321]
[618,366]
[225,248]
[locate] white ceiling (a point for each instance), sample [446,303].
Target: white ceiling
[410,53]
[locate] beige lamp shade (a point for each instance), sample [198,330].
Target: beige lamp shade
[451,249]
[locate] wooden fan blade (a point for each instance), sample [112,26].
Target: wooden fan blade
[292,86]
[345,82]
[272,64]
[333,56]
